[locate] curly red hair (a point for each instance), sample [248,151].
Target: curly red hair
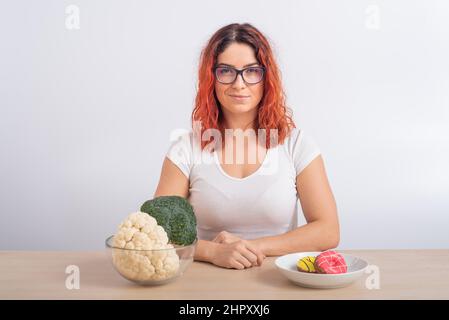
[272,114]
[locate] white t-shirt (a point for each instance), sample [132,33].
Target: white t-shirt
[264,203]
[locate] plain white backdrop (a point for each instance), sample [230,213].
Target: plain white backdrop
[86,113]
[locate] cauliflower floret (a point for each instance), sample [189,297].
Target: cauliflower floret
[140,232]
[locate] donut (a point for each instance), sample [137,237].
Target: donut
[330,262]
[306,264]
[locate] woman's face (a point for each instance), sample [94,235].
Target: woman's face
[239,56]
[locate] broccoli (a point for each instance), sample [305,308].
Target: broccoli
[175,215]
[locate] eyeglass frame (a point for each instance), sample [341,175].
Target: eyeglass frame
[239,72]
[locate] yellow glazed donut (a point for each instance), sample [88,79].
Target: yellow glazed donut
[306,264]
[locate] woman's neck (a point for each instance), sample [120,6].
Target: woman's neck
[240,121]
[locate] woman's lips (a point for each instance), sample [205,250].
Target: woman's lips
[239,98]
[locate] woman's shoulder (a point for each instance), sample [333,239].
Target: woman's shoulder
[292,138]
[187,141]
[182,138]
[301,147]
[180,151]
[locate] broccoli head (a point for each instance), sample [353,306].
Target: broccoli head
[175,215]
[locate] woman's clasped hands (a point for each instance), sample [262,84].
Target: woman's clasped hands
[236,253]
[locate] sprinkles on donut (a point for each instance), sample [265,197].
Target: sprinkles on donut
[331,262]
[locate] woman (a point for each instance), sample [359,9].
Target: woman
[246,210]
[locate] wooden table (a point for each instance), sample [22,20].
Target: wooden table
[404,274]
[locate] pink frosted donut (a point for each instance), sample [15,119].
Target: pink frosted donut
[331,262]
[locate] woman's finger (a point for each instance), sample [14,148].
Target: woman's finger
[260,256]
[250,256]
[237,265]
[243,260]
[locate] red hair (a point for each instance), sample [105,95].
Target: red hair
[272,114]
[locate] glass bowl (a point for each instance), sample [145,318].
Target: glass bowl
[151,267]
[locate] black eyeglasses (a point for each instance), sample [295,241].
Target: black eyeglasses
[227,74]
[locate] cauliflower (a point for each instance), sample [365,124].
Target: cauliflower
[140,232]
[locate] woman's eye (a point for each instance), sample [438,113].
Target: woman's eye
[224,70]
[252,70]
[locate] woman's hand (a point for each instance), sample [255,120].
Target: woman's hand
[237,255]
[226,237]
[234,252]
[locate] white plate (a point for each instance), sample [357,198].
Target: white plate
[287,265]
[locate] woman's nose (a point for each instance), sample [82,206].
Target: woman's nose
[239,82]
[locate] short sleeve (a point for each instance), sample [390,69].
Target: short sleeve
[180,153]
[304,150]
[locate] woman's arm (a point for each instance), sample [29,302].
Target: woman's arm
[204,250]
[322,230]
[172,181]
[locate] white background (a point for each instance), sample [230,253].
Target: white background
[86,114]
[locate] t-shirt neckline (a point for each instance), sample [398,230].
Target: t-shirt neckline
[255,173]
